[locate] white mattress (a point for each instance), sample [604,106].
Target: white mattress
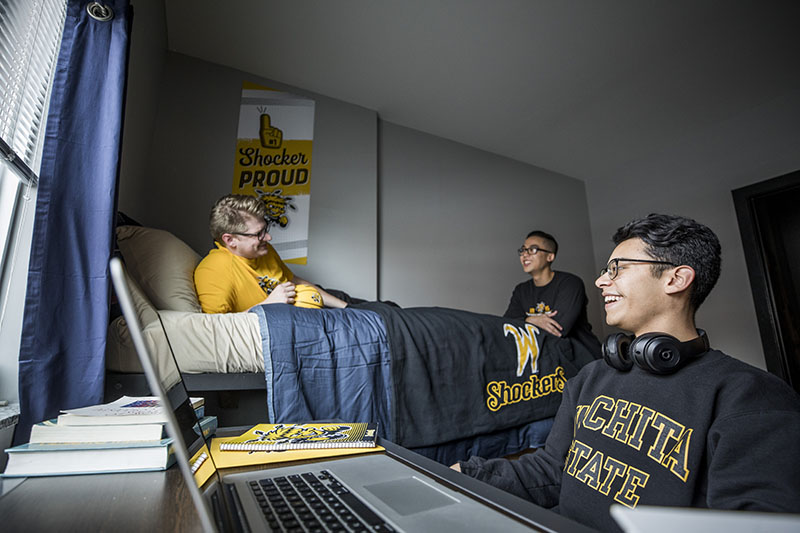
[219,343]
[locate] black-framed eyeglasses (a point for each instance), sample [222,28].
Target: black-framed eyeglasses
[260,235]
[612,268]
[533,250]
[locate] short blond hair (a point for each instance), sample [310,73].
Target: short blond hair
[228,214]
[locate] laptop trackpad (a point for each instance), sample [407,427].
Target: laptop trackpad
[410,495]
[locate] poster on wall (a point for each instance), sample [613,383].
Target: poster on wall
[273,163]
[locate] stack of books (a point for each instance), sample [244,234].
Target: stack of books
[126,435]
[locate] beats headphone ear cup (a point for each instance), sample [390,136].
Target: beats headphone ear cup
[658,353]
[616,351]
[700,345]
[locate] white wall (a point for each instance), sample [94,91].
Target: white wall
[452,218]
[14,303]
[695,178]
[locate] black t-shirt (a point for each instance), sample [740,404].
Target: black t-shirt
[565,294]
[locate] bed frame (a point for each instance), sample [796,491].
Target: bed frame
[235,399]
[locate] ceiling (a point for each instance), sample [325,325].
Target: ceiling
[579,87]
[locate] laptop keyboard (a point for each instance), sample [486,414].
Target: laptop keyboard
[314,502]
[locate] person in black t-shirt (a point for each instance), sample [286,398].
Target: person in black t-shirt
[553,301]
[663,419]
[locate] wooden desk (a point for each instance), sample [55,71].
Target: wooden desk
[160,501]
[143,501]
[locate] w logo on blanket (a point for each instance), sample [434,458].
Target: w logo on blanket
[527,346]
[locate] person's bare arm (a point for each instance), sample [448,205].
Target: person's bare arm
[282,294]
[546,322]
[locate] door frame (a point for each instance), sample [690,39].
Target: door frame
[775,355]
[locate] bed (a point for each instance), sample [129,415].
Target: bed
[446,383]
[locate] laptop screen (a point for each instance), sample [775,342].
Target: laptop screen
[164,379]
[202,463]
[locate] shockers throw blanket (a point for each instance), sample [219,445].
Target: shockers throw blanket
[426,375]
[458,374]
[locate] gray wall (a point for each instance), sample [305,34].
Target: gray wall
[446,223]
[148,48]
[441,219]
[188,165]
[695,178]
[452,218]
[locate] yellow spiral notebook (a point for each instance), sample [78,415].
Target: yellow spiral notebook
[303,437]
[230,459]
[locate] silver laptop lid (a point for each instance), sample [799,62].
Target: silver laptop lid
[168,386]
[653,519]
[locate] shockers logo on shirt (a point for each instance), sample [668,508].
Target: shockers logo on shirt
[540,309]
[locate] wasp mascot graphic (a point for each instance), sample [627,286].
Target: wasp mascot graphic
[277,205]
[290,433]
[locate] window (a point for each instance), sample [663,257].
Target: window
[30,36]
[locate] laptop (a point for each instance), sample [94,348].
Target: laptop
[654,519]
[367,492]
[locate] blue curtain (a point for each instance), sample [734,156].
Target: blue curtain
[61,360]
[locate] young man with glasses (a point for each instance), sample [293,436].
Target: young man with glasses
[551,300]
[665,420]
[245,270]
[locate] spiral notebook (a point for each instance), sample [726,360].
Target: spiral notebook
[303,437]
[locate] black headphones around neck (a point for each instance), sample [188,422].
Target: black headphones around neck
[658,353]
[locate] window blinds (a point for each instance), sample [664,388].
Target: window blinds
[30,34]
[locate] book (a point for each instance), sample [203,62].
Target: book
[125,410]
[303,436]
[230,459]
[50,432]
[208,424]
[29,460]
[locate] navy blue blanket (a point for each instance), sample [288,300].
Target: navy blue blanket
[326,364]
[428,376]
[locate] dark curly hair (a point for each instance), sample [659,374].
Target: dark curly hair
[681,241]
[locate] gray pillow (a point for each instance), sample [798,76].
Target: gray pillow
[162,265]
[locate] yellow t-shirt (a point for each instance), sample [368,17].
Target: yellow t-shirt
[227,283]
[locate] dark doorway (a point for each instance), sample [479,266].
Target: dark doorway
[769,222]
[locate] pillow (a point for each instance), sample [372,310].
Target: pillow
[162,265]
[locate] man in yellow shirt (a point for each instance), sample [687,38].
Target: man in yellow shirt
[245,270]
